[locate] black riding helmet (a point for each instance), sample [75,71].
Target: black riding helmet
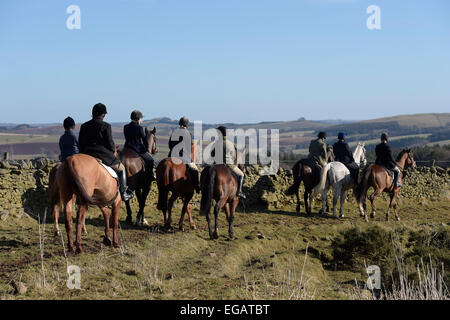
[136,115]
[322,135]
[184,122]
[384,136]
[223,130]
[98,110]
[68,123]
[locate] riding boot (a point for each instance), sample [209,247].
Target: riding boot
[150,166]
[396,176]
[241,183]
[124,192]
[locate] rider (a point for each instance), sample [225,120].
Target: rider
[95,139]
[136,139]
[343,154]
[318,150]
[384,158]
[230,157]
[68,143]
[184,123]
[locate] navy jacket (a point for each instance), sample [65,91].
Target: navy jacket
[68,144]
[95,139]
[384,156]
[135,137]
[342,152]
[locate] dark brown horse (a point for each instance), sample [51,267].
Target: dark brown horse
[137,178]
[172,175]
[303,171]
[376,176]
[219,184]
[83,178]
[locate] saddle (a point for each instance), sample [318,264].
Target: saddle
[110,170]
[389,172]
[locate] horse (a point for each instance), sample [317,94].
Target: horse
[82,177]
[377,177]
[172,175]
[137,178]
[336,174]
[218,183]
[302,171]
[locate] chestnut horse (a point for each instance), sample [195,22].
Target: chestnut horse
[137,178]
[172,175]
[377,177]
[84,178]
[218,183]
[302,171]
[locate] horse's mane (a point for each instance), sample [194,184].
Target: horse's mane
[400,155]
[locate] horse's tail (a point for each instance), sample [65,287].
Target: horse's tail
[323,179]
[296,172]
[208,191]
[78,187]
[361,189]
[163,191]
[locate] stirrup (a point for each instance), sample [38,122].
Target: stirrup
[241,195]
[127,195]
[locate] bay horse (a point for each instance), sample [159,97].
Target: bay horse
[82,177]
[137,178]
[337,175]
[302,171]
[172,175]
[377,177]
[218,183]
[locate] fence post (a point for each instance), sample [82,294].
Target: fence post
[6,156]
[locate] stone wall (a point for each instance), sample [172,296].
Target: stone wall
[23,187]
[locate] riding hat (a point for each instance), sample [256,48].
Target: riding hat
[384,136]
[341,135]
[99,109]
[136,115]
[223,130]
[68,123]
[183,122]
[322,135]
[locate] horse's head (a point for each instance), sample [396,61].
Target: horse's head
[360,154]
[151,138]
[406,158]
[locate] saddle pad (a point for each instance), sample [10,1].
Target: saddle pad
[110,171]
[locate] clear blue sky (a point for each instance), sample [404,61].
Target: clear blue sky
[223,60]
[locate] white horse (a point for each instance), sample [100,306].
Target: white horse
[337,175]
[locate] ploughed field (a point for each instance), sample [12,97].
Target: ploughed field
[278,253]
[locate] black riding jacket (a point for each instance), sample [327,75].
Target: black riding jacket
[384,156]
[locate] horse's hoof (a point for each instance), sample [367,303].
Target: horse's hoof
[57,233]
[129,220]
[106,241]
[372,215]
[70,249]
[216,235]
[145,223]
[335,216]
[79,250]
[116,245]
[193,227]
[398,218]
[85,231]
[297,209]
[181,228]
[341,216]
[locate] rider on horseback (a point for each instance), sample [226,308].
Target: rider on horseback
[343,154]
[384,158]
[229,158]
[136,139]
[95,139]
[318,150]
[184,123]
[68,143]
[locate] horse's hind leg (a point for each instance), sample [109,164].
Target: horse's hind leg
[231,218]
[220,204]
[297,194]
[129,218]
[392,203]
[106,216]
[80,222]
[55,211]
[191,221]
[142,198]
[168,223]
[341,209]
[183,212]
[68,222]
[115,212]
[305,198]
[372,198]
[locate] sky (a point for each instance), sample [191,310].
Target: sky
[223,60]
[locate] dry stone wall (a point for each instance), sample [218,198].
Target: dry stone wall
[24,184]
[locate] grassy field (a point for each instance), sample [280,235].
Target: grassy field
[277,255]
